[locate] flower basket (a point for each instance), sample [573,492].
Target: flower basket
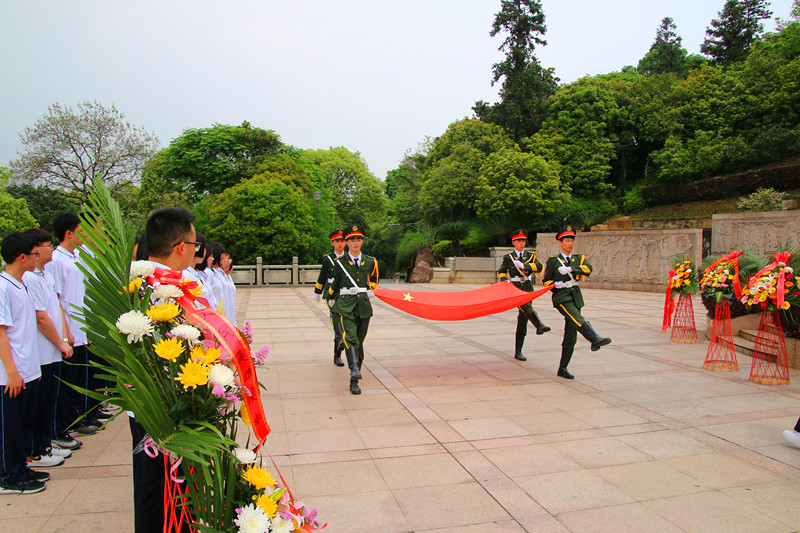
[682,283]
[721,354]
[189,376]
[683,326]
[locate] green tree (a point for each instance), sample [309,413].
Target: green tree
[734,32]
[521,183]
[209,160]
[14,214]
[453,167]
[262,217]
[284,168]
[45,202]
[67,149]
[666,53]
[356,194]
[581,118]
[526,84]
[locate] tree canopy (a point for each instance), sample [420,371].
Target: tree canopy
[68,149]
[731,35]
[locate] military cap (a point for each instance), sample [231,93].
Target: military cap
[519,234]
[355,231]
[565,232]
[337,234]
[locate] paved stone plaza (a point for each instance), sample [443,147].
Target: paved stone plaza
[452,434]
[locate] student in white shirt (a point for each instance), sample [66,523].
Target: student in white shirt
[227,285]
[20,370]
[205,271]
[52,339]
[71,290]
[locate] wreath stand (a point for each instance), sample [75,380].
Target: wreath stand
[176,517]
[683,326]
[721,353]
[770,360]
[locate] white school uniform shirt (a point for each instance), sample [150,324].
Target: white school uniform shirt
[71,290]
[18,315]
[228,290]
[42,287]
[210,288]
[192,274]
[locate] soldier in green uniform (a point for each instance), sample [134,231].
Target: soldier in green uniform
[565,271]
[518,268]
[355,277]
[321,290]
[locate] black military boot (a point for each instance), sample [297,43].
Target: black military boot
[591,335]
[534,319]
[354,388]
[337,353]
[566,356]
[352,363]
[518,347]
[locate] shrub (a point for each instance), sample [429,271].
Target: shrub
[762,200]
[443,249]
[633,202]
[411,243]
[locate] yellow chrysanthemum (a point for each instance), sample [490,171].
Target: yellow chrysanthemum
[164,312]
[193,374]
[196,353]
[258,477]
[134,286]
[197,291]
[245,415]
[169,349]
[785,305]
[268,505]
[207,357]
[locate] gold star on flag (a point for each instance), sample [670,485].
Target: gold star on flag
[407,297]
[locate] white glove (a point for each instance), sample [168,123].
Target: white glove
[518,264]
[559,284]
[331,303]
[564,270]
[317,297]
[371,294]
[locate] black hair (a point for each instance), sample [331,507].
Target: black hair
[41,236]
[201,239]
[141,249]
[15,244]
[64,222]
[166,227]
[214,249]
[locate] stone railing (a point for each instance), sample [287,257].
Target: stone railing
[261,274]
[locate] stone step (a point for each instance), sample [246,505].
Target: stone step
[749,334]
[743,346]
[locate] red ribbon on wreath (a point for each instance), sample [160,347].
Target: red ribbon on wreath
[781,260]
[669,303]
[733,259]
[215,325]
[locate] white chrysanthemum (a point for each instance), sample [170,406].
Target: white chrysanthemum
[252,520]
[141,269]
[190,333]
[221,375]
[135,325]
[163,292]
[244,455]
[279,525]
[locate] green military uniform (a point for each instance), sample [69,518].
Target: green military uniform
[351,282]
[522,279]
[568,300]
[324,280]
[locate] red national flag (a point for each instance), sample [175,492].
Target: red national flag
[459,305]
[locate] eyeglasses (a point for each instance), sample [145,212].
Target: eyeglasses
[34,254]
[197,245]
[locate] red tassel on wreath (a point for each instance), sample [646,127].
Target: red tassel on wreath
[669,304]
[721,353]
[683,326]
[770,360]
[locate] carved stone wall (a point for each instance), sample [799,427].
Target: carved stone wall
[756,232]
[633,260]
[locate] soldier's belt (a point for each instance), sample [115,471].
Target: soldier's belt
[570,283]
[352,290]
[519,280]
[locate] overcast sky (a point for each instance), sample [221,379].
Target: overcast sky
[374,76]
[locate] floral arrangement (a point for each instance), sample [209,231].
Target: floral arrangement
[773,287]
[183,370]
[683,278]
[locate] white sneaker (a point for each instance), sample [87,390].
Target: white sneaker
[792,436]
[45,461]
[60,452]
